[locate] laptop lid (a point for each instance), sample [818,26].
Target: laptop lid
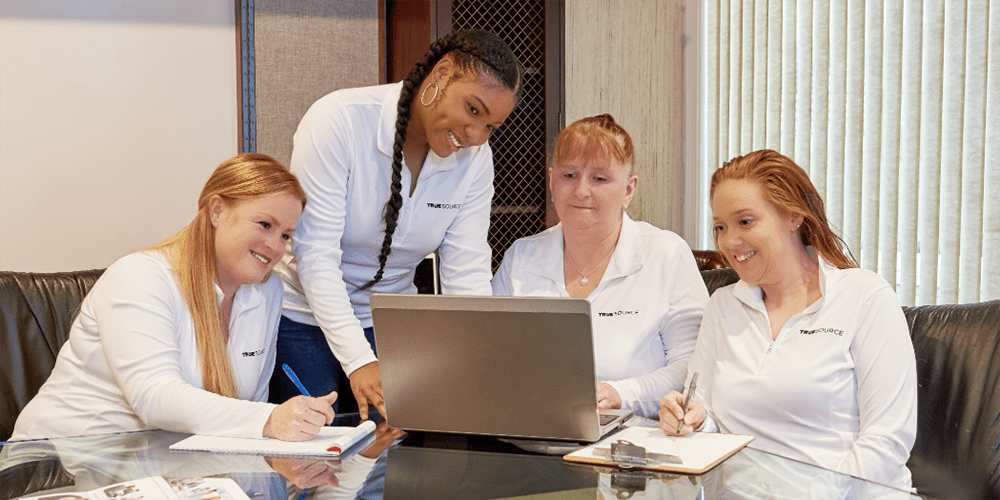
[500,366]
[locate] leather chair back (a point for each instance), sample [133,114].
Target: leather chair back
[36,312]
[708,259]
[718,278]
[957,451]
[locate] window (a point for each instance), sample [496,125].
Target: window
[890,106]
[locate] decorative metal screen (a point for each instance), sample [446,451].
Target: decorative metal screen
[518,146]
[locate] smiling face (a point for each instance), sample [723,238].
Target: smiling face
[590,195]
[250,236]
[755,237]
[467,109]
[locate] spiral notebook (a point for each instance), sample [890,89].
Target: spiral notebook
[330,442]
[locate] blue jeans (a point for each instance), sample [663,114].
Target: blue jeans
[303,347]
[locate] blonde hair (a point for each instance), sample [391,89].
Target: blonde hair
[786,186]
[192,254]
[596,137]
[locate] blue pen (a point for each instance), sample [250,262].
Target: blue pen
[295,380]
[302,389]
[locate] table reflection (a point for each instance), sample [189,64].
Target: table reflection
[394,465]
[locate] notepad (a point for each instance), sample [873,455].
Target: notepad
[697,452]
[330,442]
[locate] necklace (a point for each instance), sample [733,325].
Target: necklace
[584,280]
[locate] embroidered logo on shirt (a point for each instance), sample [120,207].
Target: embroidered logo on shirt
[618,313]
[258,352]
[446,206]
[834,331]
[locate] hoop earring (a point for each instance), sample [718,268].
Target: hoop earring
[424,93]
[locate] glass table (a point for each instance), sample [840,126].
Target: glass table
[394,465]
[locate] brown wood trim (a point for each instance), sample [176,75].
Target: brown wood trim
[442,19]
[408,35]
[555,97]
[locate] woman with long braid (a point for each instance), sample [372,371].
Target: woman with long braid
[370,221]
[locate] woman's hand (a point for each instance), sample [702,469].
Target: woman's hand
[366,382]
[300,418]
[303,472]
[384,437]
[672,412]
[607,397]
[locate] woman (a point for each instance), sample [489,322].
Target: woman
[181,336]
[644,287]
[806,352]
[370,221]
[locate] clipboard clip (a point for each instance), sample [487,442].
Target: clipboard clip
[626,455]
[626,483]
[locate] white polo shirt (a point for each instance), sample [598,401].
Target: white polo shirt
[343,158]
[645,312]
[131,361]
[837,388]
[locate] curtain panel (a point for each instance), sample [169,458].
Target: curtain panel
[893,107]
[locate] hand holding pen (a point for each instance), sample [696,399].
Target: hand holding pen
[300,418]
[679,414]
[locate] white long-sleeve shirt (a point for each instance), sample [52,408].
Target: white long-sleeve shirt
[343,158]
[837,388]
[131,361]
[645,312]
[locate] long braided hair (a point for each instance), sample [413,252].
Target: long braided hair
[478,51]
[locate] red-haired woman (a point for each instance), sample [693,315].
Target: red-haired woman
[807,352]
[643,284]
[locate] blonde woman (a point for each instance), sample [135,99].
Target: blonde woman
[181,336]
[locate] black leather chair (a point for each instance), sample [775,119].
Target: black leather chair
[708,259]
[957,452]
[36,311]
[27,478]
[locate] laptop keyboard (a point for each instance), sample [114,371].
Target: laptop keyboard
[606,418]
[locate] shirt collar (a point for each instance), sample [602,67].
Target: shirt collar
[247,297]
[753,296]
[387,119]
[626,259]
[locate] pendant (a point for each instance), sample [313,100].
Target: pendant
[584,281]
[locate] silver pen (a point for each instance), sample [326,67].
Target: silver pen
[687,400]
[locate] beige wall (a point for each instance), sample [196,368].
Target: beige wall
[114,113]
[627,58]
[112,116]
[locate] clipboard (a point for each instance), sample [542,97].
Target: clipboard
[649,448]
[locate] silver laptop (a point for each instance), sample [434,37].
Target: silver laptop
[520,367]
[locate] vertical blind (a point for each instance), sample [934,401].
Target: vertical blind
[893,107]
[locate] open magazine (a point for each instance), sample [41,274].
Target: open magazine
[158,488]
